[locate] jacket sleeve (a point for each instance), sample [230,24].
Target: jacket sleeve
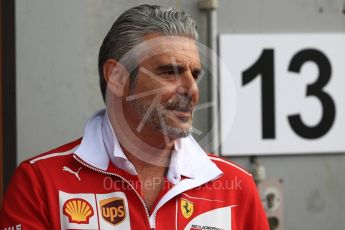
[24,205]
[255,216]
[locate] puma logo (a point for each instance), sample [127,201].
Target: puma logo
[65,168]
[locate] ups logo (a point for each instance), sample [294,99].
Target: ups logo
[113,210]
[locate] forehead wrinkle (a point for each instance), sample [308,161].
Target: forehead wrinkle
[156,45]
[181,58]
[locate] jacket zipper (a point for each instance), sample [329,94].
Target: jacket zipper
[122,178]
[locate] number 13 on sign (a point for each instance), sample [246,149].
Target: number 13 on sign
[289,93]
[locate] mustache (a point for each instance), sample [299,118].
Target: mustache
[182,103]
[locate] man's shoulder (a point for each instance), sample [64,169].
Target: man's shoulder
[229,167]
[235,181]
[45,165]
[56,153]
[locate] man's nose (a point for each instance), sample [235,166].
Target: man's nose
[188,86]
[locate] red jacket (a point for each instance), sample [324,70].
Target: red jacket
[62,189]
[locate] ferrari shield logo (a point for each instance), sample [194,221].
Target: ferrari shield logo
[186,208]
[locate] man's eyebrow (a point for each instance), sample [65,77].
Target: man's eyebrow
[178,67]
[171,66]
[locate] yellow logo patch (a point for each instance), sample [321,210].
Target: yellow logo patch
[78,211]
[187,208]
[113,210]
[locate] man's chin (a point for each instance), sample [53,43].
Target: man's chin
[174,133]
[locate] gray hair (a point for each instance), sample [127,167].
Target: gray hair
[129,30]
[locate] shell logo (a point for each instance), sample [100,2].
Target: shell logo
[78,211]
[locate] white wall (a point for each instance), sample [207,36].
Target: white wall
[54,90]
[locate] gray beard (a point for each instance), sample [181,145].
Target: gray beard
[157,120]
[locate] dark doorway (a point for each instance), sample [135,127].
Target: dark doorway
[8,149]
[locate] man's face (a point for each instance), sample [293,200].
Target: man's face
[165,92]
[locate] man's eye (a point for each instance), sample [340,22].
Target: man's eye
[196,76]
[171,72]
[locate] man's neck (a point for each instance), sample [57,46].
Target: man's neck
[150,154]
[151,177]
[149,148]
[157,161]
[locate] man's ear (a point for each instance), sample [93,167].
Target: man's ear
[116,75]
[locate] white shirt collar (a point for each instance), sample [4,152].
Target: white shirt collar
[91,148]
[114,150]
[99,144]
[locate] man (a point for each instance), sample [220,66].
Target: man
[137,167]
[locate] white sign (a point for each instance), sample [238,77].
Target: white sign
[290,94]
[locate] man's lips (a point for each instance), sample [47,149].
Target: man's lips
[180,113]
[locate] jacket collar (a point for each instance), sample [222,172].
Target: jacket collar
[100,146]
